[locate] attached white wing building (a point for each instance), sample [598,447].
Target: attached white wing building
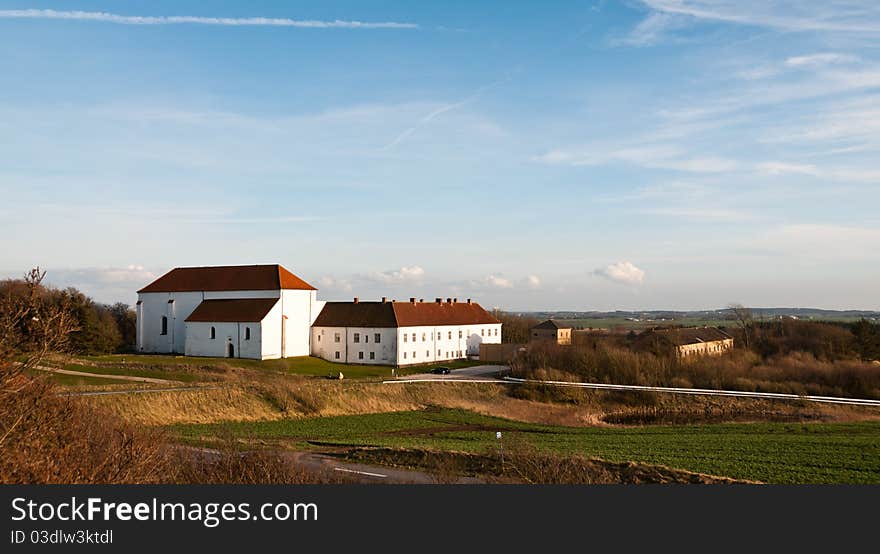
[402,333]
[265,311]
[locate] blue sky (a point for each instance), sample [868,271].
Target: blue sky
[588,155]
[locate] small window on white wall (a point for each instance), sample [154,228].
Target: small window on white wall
[377,338]
[164,326]
[337,354]
[336,337]
[372,355]
[360,355]
[357,337]
[247,333]
[213,333]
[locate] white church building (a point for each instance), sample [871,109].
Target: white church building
[266,312]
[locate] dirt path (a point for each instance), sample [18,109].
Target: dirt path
[106,376]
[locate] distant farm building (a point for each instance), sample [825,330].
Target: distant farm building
[550,331]
[685,342]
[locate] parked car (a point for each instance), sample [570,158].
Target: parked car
[440,370]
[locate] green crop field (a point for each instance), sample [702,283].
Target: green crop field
[768,452]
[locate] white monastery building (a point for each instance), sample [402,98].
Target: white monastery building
[266,312]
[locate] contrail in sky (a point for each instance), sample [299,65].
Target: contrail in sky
[105,17]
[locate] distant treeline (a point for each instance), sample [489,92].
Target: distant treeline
[99,328]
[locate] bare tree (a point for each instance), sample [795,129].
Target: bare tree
[745,321]
[33,323]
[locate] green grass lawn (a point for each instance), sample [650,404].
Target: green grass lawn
[302,365]
[768,452]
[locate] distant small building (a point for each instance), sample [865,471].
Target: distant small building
[550,331]
[685,342]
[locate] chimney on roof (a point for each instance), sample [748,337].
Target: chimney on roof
[449,301]
[384,299]
[356,299]
[469,300]
[412,299]
[438,300]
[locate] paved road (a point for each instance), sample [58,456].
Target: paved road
[368,473]
[478,373]
[364,473]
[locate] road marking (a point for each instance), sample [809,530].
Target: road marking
[358,472]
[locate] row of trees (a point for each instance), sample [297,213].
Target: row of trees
[97,328]
[823,340]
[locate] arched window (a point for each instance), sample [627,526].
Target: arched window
[213,333]
[164,325]
[247,333]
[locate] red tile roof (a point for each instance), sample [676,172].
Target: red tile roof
[231,277]
[402,314]
[360,314]
[411,314]
[233,310]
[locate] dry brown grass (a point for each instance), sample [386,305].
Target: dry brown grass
[279,396]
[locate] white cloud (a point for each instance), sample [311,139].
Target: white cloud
[656,155]
[653,29]
[533,282]
[104,284]
[860,16]
[622,272]
[700,213]
[105,17]
[335,284]
[498,282]
[406,274]
[825,58]
[782,168]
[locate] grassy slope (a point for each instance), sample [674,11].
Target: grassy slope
[769,452]
[76,380]
[303,365]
